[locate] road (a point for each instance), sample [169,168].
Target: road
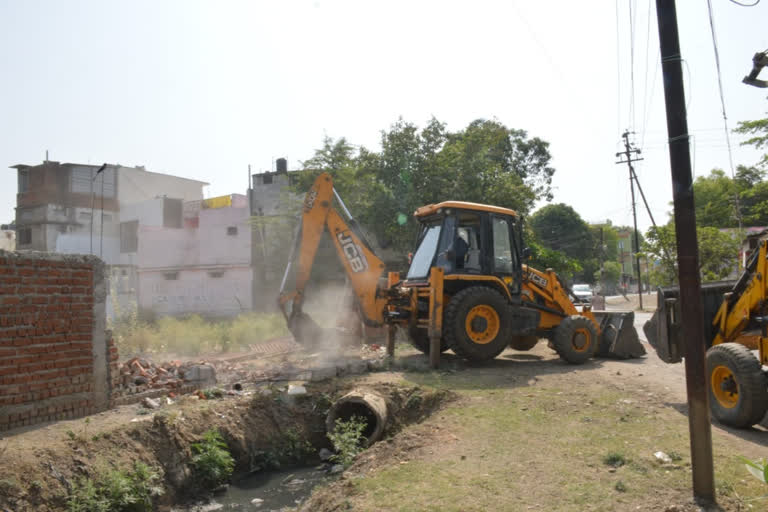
[672,376]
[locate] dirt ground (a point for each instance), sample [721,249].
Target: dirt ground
[524,432]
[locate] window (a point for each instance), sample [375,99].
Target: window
[232,230]
[171,276]
[422,258]
[216,274]
[172,212]
[467,244]
[129,236]
[23,180]
[85,181]
[502,248]
[266,179]
[25,236]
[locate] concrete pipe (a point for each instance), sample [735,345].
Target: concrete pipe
[369,406]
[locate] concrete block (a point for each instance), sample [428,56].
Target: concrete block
[200,373]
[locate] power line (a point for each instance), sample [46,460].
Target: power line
[722,104]
[631,67]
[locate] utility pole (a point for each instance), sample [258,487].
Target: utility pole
[687,255]
[628,154]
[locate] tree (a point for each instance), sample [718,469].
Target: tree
[759,131]
[559,228]
[715,200]
[718,253]
[610,277]
[486,163]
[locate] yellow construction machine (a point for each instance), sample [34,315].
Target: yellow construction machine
[736,324]
[467,288]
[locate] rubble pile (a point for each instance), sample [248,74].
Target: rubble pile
[138,375]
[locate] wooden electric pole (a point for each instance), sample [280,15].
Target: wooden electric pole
[687,255]
[629,153]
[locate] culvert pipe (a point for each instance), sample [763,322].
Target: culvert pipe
[365,404]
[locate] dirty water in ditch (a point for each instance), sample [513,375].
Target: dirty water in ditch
[266,492]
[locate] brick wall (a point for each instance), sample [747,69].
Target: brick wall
[55,356]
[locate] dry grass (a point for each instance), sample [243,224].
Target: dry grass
[536,434]
[193,335]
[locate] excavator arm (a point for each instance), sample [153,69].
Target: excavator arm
[362,266]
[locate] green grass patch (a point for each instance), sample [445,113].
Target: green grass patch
[519,446]
[117,490]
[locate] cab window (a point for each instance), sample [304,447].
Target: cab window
[503,252]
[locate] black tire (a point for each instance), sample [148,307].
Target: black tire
[523,343]
[420,340]
[575,339]
[498,329]
[737,387]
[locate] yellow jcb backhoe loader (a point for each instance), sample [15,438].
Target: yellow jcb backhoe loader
[467,288]
[733,312]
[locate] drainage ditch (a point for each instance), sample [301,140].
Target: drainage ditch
[274,439]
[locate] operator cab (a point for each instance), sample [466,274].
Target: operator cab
[468,239]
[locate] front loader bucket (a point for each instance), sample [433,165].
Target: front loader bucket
[663,330]
[618,337]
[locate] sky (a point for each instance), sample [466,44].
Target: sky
[203,89]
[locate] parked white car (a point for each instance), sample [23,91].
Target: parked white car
[583,292]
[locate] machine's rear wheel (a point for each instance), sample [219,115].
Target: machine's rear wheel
[477,323]
[523,343]
[575,339]
[420,340]
[737,387]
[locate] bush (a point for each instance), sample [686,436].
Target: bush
[347,438]
[117,491]
[212,461]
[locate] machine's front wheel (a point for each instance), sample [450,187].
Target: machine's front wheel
[737,387]
[575,339]
[477,323]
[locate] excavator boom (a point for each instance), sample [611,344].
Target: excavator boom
[362,266]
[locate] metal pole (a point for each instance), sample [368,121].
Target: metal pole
[637,241]
[687,254]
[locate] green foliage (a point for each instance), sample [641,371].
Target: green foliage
[486,162]
[718,253]
[757,468]
[117,491]
[610,277]
[614,459]
[563,241]
[347,439]
[291,447]
[212,461]
[193,335]
[759,131]
[543,258]
[620,486]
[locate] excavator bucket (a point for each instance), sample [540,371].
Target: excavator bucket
[663,329]
[305,330]
[618,337]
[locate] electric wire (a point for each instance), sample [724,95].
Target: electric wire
[722,104]
[631,119]
[618,70]
[745,5]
